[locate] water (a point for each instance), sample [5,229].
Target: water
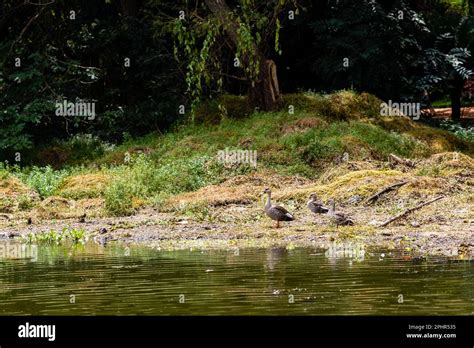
[93,280]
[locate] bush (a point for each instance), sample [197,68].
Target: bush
[144,179]
[44,180]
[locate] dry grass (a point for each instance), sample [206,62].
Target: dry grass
[345,182]
[13,192]
[361,183]
[448,164]
[243,189]
[55,207]
[84,186]
[438,140]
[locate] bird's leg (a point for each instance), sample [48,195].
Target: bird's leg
[278,224]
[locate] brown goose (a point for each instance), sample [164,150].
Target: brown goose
[338,218]
[315,205]
[275,212]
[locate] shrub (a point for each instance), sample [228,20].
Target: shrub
[144,179]
[45,180]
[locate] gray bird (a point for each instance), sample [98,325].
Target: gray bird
[338,218]
[315,205]
[275,212]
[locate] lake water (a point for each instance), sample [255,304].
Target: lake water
[117,280]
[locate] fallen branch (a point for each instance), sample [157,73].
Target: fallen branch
[408,211]
[385,190]
[404,161]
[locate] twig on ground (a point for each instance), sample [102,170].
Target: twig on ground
[385,190]
[408,211]
[404,161]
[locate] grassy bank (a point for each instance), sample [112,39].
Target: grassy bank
[333,144]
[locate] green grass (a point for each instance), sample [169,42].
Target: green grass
[446,103]
[147,170]
[45,180]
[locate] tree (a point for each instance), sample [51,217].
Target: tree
[212,33]
[104,52]
[371,46]
[449,63]
[468,6]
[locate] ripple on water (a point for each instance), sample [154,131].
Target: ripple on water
[257,281]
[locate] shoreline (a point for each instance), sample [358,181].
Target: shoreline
[166,231]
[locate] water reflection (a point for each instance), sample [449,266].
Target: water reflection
[343,279]
[14,251]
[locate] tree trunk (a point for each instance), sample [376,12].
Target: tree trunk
[456,95]
[265,93]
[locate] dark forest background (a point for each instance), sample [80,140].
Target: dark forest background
[400,50]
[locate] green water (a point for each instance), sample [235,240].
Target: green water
[95,280]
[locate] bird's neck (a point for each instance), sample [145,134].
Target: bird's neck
[269,200]
[332,208]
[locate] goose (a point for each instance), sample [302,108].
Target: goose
[338,218]
[315,205]
[275,212]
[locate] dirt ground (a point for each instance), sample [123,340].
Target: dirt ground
[230,215]
[429,231]
[466,112]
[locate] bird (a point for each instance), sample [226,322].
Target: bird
[315,205]
[338,218]
[82,218]
[275,212]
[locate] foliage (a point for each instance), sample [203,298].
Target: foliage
[44,180]
[460,131]
[448,59]
[53,57]
[143,179]
[52,237]
[380,43]
[199,44]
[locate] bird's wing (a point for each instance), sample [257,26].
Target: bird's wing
[343,216]
[317,207]
[283,211]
